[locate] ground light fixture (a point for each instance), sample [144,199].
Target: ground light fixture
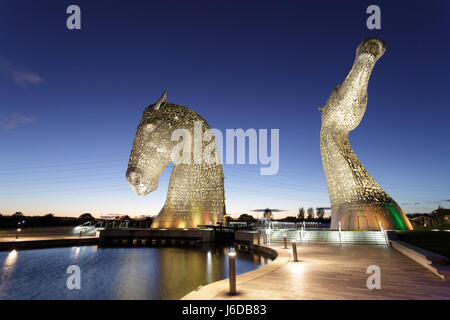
[294,250]
[232,271]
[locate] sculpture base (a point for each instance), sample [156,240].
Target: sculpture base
[176,220]
[368,215]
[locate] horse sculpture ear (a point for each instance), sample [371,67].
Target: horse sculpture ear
[161,102]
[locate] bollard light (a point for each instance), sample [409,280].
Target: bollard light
[285,241]
[17,235]
[232,271]
[294,250]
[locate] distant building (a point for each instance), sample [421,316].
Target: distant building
[436,217]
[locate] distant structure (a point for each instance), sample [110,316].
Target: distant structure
[357,201]
[196,192]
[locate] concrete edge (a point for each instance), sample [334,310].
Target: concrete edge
[220,288]
[430,260]
[47,243]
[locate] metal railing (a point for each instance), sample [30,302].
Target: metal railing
[117,224]
[384,232]
[340,233]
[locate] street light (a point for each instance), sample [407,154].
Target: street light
[232,271]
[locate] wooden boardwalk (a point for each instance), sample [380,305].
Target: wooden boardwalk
[333,272]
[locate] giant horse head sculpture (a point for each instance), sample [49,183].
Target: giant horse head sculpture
[196,193]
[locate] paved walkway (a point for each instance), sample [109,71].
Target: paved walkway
[332,272]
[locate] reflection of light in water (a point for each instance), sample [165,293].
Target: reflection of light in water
[209,268]
[257,258]
[7,270]
[77,252]
[120,273]
[10,259]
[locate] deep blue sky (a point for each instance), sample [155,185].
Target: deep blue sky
[71,100]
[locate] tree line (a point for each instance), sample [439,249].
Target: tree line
[18,219]
[309,215]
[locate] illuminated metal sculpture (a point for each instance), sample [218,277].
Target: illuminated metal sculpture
[357,201]
[196,192]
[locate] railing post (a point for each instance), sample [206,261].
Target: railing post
[285,241]
[339,230]
[384,232]
[301,234]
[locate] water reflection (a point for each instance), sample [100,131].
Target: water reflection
[7,269]
[208,266]
[77,252]
[10,259]
[117,273]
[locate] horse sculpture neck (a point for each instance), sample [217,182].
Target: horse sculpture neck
[195,197]
[357,201]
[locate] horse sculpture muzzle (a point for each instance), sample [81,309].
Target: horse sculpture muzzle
[137,182]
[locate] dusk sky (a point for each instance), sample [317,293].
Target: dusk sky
[71,100]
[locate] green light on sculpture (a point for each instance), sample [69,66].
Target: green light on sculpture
[395,214]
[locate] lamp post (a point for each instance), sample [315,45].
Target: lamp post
[285,241]
[232,271]
[18,228]
[294,250]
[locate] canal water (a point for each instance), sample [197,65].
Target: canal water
[117,273]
